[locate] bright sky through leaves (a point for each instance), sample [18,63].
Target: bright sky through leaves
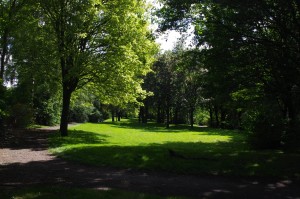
[168,39]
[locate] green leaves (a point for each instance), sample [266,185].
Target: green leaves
[250,49]
[102,46]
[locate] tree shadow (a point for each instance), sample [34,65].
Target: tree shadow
[160,128]
[202,167]
[221,158]
[38,140]
[41,175]
[77,137]
[33,139]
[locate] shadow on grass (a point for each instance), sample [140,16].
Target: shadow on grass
[191,158]
[160,128]
[234,158]
[77,137]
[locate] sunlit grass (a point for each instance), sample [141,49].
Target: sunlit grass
[151,146]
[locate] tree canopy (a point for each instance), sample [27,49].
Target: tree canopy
[251,52]
[103,46]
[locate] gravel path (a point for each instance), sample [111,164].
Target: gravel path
[27,162]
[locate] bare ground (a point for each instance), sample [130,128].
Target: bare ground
[26,162]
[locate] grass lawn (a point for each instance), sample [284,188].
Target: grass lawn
[128,144]
[72,193]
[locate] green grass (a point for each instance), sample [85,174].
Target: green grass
[204,150]
[73,193]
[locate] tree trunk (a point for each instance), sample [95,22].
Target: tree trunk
[140,114]
[168,117]
[69,85]
[217,116]
[192,117]
[175,119]
[119,115]
[211,116]
[160,115]
[143,115]
[65,111]
[112,115]
[223,117]
[292,115]
[3,53]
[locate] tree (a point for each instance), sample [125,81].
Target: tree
[251,51]
[192,70]
[9,20]
[102,44]
[176,82]
[164,89]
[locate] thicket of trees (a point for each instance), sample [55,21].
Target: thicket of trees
[82,60]
[176,83]
[251,61]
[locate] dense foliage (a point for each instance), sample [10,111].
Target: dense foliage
[62,60]
[251,53]
[50,49]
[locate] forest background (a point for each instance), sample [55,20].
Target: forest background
[79,61]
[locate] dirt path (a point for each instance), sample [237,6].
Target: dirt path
[27,162]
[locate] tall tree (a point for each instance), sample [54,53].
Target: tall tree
[9,21]
[104,44]
[252,48]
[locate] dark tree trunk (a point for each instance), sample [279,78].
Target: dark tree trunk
[65,111]
[143,115]
[69,86]
[3,53]
[168,117]
[119,115]
[160,115]
[140,114]
[223,117]
[217,116]
[192,117]
[239,119]
[112,115]
[175,119]
[211,122]
[292,115]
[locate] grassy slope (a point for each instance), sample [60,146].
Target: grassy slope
[202,150]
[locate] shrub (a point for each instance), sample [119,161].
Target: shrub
[266,127]
[20,115]
[80,113]
[48,112]
[96,116]
[202,117]
[268,132]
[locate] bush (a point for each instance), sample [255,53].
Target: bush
[266,127]
[80,114]
[96,117]
[48,112]
[202,117]
[20,116]
[268,132]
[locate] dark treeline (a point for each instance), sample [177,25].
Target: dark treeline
[245,73]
